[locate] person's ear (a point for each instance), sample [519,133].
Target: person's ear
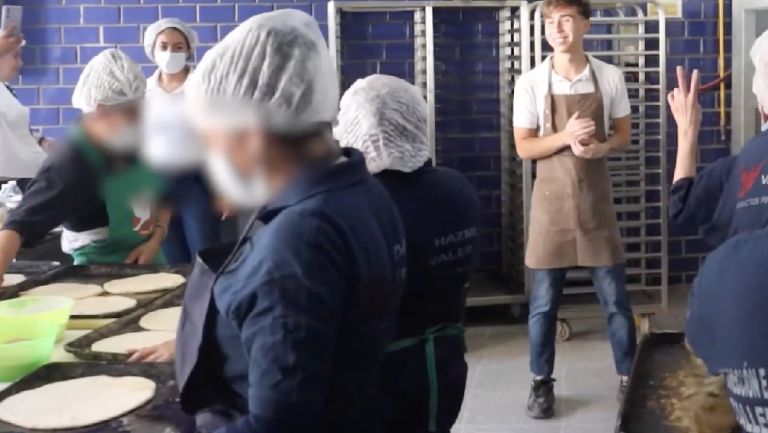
[587,25]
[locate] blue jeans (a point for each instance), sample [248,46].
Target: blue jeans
[545,302]
[195,224]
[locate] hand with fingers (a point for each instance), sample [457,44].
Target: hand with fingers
[10,40]
[163,352]
[590,149]
[579,130]
[145,253]
[684,104]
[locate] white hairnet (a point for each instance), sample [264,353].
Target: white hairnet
[759,54]
[110,78]
[154,30]
[273,71]
[386,119]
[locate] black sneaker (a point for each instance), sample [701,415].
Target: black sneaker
[623,384]
[541,402]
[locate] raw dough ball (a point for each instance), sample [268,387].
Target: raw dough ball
[132,341]
[98,305]
[144,283]
[166,319]
[68,290]
[77,402]
[12,279]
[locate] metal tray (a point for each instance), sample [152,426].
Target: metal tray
[659,355]
[98,274]
[161,415]
[81,347]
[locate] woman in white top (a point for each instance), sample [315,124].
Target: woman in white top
[20,153]
[170,145]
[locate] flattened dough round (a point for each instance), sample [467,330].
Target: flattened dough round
[98,305]
[77,402]
[132,341]
[166,319]
[144,283]
[68,290]
[12,279]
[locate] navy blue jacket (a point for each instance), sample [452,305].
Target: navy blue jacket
[727,326]
[308,306]
[727,198]
[441,213]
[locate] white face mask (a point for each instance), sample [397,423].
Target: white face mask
[170,63]
[126,140]
[250,192]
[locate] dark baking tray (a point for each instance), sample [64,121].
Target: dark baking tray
[161,415]
[658,355]
[81,347]
[97,274]
[28,268]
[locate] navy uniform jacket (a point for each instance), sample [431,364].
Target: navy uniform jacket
[727,198]
[441,213]
[308,305]
[727,326]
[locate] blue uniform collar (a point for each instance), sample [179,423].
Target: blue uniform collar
[318,178]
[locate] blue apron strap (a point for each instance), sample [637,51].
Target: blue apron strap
[442,330]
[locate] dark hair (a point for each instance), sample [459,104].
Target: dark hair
[582,6]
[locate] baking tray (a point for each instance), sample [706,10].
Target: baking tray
[658,356]
[81,347]
[28,268]
[98,274]
[161,415]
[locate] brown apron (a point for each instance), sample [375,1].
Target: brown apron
[572,221]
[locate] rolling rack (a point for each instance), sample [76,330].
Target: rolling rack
[629,39]
[623,35]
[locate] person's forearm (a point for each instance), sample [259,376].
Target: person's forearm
[541,147]
[10,243]
[618,142]
[685,165]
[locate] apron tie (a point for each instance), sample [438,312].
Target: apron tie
[442,330]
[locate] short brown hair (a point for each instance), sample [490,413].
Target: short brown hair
[582,6]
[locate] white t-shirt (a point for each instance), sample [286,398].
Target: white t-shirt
[531,91]
[20,155]
[169,143]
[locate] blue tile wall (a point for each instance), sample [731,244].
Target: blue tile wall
[63,35]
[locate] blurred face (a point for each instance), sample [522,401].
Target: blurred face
[172,40]
[565,29]
[10,65]
[115,128]
[246,149]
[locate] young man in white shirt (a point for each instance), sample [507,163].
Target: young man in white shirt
[571,112]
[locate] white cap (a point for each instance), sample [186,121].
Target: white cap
[154,30]
[386,119]
[273,71]
[110,78]
[759,55]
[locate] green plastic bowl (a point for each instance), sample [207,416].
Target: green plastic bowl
[24,349]
[18,314]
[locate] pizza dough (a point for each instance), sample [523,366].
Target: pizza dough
[132,341]
[98,305]
[68,290]
[166,319]
[12,279]
[144,283]
[76,403]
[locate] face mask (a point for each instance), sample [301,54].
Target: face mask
[249,192]
[170,63]
[125,141]
[764,127]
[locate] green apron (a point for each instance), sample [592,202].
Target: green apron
[443,330]
[120,190]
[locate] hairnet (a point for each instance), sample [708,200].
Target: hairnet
[759,54]
[386,119]
[273,71]
[110,78]
[154,30]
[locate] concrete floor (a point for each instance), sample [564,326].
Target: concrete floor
[499,378]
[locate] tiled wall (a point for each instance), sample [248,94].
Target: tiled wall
[64,34]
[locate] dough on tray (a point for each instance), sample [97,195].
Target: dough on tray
[77,402]
[12,279]
[98,305]
[144,283]
[166,319]
[68,290]
[124,343]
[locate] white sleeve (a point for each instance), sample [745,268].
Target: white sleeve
[620,106]
[525,113]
